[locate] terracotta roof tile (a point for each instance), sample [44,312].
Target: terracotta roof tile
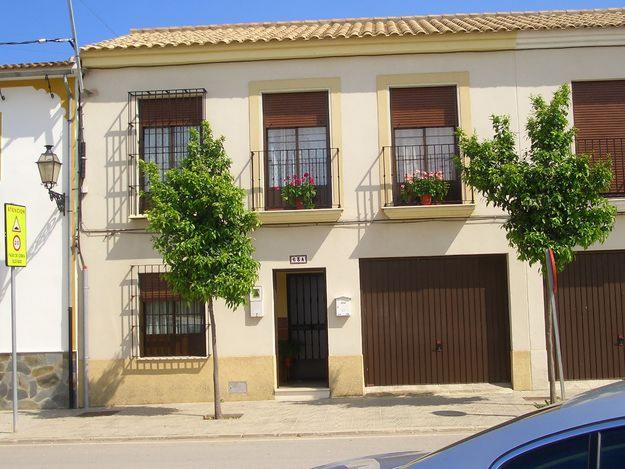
[33,65]
[363,27]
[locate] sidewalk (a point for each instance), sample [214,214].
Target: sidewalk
[369,415]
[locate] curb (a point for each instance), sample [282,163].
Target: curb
[242,436]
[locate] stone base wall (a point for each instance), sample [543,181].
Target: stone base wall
[42,380]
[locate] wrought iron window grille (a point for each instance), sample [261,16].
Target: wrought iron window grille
[159,122]
[162,325]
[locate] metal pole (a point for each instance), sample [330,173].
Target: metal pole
[70,8]
[556,329]
[14,349]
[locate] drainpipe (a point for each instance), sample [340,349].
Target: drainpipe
[79,174]
[68,258]
[85,328]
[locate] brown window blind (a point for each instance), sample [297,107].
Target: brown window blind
[169,326]
[306,109]
[170,111]
[433,106]
[599,109]
[153,286]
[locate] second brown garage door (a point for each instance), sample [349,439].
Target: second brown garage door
[591,311]
[435,320]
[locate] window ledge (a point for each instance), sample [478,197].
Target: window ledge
[141,216]
[170,359]
[409,212]
[619,203]
[313,215]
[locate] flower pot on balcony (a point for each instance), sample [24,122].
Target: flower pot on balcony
[426,199]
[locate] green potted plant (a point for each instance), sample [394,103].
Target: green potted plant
[288,350]
[299,192]
[424,185]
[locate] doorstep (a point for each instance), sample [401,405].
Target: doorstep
[301,393]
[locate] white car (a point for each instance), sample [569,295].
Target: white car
[586,432]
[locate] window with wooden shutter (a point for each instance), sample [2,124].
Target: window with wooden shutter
[296,144]
[160,122]
[599,116]
[424,122]
[169,326]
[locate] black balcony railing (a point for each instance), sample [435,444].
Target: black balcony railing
[611,150]
[279,167]
[412,161]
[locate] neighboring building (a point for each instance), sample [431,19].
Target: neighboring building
[372,291]
[35,110]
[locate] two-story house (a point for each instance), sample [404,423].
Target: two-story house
[366,288]
[38,109]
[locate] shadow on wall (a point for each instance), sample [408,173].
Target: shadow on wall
[272,243]
[369,193]
[428,238]
[134,246]
[244,180]
[105,386]
[117,172]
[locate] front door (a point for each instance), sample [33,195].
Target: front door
[308,327]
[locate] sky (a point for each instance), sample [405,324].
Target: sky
[97,20]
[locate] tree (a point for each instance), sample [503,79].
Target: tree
[202,231]
[553,197]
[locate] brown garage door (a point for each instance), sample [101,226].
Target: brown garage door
[435,320]
[591,311]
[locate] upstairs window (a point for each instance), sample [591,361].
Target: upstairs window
[297,143]
[599,116]
[160,125]
[424,122]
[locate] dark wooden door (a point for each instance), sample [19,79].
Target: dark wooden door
[434,320]
[591,313]
[308,327]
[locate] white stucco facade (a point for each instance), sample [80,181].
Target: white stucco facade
[30,120]
[34,113]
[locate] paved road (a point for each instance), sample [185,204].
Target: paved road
[276,453]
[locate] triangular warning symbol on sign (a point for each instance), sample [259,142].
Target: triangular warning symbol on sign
[16,226]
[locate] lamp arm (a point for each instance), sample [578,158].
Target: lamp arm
[59,199]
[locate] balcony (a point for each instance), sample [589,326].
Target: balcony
[607,149]
[273,170]
[400,163]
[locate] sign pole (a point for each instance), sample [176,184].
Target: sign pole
[14,349]
[551,271]
[15,256]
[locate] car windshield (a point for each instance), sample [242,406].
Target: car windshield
[548,408]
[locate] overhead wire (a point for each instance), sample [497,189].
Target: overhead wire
[34,41]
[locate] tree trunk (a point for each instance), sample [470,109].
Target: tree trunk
[551,367]
[216,389]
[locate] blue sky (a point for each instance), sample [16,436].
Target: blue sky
[103,19]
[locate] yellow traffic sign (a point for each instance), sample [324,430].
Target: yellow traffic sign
[15,235]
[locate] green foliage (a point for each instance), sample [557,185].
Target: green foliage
[299,188]
[553,197]
[423,183]
[202,224]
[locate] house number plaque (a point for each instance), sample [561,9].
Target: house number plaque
[298,259]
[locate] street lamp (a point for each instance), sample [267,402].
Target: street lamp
[49,169]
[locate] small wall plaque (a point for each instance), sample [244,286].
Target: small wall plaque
[298,259]
[237,387]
